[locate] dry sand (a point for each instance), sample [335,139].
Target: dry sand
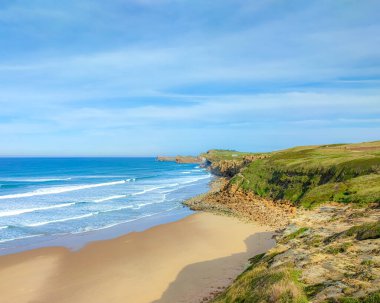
[176,262]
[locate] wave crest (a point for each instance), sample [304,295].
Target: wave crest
[60,189]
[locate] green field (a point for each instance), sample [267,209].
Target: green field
[310,175]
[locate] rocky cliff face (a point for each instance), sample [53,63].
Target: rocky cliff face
[228,199]
[226,168]
[230,168]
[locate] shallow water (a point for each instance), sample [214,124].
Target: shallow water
[55,197]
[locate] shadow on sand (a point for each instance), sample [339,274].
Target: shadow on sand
[200,280]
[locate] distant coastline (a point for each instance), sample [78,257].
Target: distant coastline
[181,159]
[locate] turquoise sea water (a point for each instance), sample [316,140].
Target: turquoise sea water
[45,197]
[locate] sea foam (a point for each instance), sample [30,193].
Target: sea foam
[16,212]
[60,220]
[109,198]
[59,189]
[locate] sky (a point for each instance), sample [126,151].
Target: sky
[167,77]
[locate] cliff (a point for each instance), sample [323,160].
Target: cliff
[305,176]
[227,164]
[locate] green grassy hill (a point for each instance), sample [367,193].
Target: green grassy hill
[310,175]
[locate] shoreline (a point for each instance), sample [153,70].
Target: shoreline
[75,241]
[181,261]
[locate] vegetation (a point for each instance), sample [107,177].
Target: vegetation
[260,284]
[295,234]
[221,154]
[340,248]
[360,232]
[365,231]
[307,177]
[310,175]
[371,298]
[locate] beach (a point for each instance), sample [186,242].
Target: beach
[182,261]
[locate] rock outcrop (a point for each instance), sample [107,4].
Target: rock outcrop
[226,168]
[230,200]
[229,168]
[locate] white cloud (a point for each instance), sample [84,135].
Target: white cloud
[175,65]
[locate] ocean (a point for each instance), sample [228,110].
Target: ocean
[51,198]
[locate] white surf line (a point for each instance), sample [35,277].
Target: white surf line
[20,238]
[59,220]
[109,198]
[154,188]
[16,212]
[116,209]
[59,189]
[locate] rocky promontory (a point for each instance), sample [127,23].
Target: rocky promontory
[180,159]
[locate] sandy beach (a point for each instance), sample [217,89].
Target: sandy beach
[182,261]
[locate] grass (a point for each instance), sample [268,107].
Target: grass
[265,285]
[220,154]
[370,298]
[365,231]
[360,232]
[368,263]
[294,235]
[261,283]
[337,249]
[361,190]
[311,175]
[314,289]
[256,259]
[315,241]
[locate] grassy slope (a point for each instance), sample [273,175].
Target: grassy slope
[311,175]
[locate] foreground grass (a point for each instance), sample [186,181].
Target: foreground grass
[261,284]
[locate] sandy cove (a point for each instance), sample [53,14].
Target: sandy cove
[183,261]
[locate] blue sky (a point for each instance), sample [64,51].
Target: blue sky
[147,77]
